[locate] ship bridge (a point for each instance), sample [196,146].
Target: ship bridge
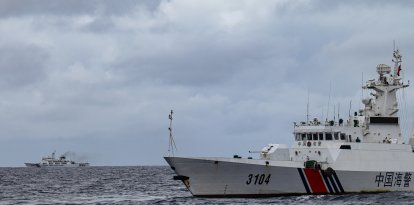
[377,122]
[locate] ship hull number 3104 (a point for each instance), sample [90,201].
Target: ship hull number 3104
[258,179]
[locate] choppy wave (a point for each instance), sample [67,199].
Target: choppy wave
[139,185]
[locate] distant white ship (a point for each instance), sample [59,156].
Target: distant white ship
[51,161]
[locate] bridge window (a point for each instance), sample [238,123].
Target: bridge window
[345,147]
[343,136]
[315,136]
[303,136]
[297,136]
[320,136]
[309,136]
[328,136]
[336,136]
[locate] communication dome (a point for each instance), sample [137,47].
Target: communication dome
[383,69]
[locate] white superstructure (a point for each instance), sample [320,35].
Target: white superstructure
[51,161]
[365,153]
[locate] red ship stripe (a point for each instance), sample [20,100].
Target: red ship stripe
[315,181]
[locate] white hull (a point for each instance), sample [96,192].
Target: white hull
[226,177]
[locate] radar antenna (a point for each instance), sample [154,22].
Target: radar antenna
[171,144]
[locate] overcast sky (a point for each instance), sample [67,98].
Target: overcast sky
[98,78]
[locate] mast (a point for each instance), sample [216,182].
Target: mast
[171,143]
[381,110]
[307,110]
[339,106]
[397,63]
[329,101]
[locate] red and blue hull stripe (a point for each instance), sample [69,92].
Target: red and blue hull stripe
[317,181]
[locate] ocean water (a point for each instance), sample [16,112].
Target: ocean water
[140,185]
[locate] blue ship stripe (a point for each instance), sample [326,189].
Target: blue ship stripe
[327,182]
[302,176]
[338,182]
[331,179]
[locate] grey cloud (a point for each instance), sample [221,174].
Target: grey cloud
[10,8]
[326,5]
[22,65]
[106,73]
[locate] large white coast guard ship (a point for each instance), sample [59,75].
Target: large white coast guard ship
[365,153]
